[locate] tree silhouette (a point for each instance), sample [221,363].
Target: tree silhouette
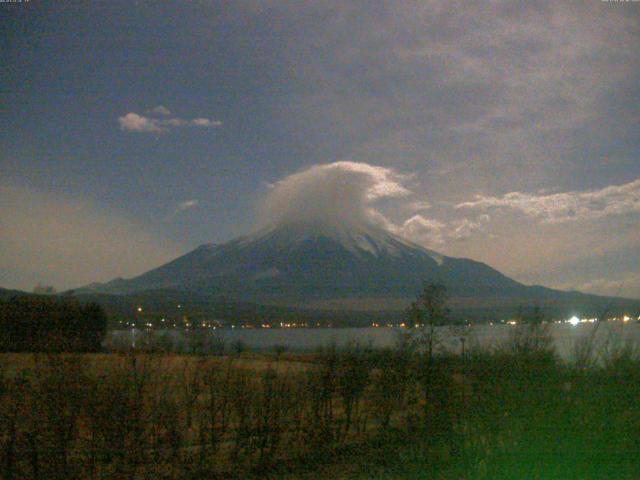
[35,323]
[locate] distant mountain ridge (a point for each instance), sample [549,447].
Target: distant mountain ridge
[322,266]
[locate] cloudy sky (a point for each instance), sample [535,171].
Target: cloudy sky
[131,132]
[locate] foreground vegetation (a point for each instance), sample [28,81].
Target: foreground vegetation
[514,412]
[413,411]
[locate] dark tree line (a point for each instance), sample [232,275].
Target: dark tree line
[35,324]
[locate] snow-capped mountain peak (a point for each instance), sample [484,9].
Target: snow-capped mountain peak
[365,239]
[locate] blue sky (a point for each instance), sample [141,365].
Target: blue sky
[514,128]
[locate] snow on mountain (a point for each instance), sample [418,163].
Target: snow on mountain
[365,239]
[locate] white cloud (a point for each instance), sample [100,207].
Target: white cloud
[422,230]
[187,204]
[385,182]
[205,122]
[435,233]
[133,122]
[182,207]
[464,228]
[566,206]
[336,194]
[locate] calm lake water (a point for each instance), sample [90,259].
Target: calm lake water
[565,337]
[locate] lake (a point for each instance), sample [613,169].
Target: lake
[564,335]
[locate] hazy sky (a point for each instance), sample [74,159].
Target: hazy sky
[131,132]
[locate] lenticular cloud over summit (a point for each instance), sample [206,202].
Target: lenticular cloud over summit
[338,195]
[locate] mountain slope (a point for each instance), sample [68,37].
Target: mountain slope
[306,261]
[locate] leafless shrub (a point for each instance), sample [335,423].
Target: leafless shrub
[217,381]
[352,378]
[60,390]
[391,383]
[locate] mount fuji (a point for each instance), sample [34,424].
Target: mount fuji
[332,267]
